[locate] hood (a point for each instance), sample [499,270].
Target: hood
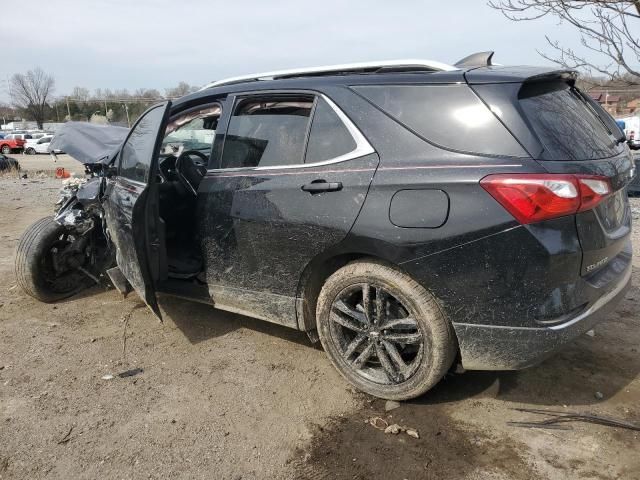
[89,143]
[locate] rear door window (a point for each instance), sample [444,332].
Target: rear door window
[566,123]
[329,138]
[267,131]
[449,116]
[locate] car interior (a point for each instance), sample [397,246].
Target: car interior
[184,156]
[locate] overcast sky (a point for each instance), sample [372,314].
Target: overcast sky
[157,43]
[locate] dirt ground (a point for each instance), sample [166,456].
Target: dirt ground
[227,397]
[44,162]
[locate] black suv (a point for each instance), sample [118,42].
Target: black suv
[406,214]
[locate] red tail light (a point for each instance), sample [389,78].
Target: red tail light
[536,197]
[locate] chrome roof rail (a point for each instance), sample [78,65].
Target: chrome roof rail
[428,65]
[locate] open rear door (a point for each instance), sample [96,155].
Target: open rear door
[131,205]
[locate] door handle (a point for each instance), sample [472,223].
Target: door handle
[319,186]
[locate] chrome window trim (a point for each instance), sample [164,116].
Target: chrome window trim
[363,147]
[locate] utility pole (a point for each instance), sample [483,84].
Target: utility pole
[68,109]
[106,112]
[126,109]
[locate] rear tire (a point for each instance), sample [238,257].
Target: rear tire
[408,343]
[33,264]
[30,151]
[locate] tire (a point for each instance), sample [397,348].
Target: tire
[32,267]
[30,151]
[6,149]
[405,303]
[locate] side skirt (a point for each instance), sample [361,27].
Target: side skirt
[270,307]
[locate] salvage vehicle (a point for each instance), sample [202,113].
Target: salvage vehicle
[409,215]
[14,142]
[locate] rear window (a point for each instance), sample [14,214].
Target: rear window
[449,116]
[569,126]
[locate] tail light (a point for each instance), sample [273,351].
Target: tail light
[536,197]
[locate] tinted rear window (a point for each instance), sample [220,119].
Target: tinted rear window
[568,125]
[449,116]
[329,138]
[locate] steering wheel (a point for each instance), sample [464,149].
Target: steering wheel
[181,158]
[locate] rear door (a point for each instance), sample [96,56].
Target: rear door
[293,175]
[131,208]
[579,137]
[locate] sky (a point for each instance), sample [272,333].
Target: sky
[158,43]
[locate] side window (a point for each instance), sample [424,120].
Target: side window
[329,138]
[450,116]
[194,129]
[267,131]
[135,157]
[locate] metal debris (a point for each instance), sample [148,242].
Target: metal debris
[558,418]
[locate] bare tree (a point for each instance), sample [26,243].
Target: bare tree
[181,90]
[609,29]
[30,91]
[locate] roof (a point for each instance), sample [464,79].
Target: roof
[325,78]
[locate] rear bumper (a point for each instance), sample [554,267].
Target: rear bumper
[493,347]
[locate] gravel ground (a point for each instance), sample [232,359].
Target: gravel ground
[227,397]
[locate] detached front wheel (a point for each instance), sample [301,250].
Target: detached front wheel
[383,331]
[49,261]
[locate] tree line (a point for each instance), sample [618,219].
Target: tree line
[32,96]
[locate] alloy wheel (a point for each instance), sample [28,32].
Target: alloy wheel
[376,335]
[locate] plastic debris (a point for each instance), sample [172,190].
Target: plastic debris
[391,405]
[130,373]
[413,433]
[107,377]
[393,429]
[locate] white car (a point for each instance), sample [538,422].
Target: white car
[39,145]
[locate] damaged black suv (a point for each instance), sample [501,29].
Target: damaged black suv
[407,214]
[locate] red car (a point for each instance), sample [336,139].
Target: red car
[13,142]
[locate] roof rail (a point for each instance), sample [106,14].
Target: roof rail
[426,65]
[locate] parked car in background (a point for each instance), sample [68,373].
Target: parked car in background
[40,145]
[14,142]
[631,127]
[407,214]
[7,163]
